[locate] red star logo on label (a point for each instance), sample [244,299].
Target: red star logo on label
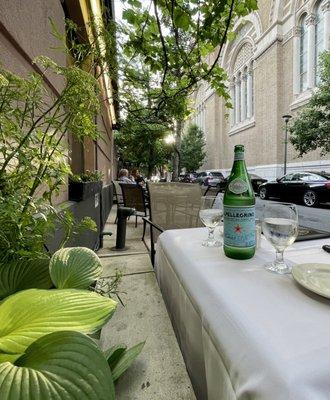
[238,229]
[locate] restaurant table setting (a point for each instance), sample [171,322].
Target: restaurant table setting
[245,332]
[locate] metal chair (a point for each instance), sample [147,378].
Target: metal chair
[172,206]
[134,196]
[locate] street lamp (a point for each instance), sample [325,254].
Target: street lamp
[286,120]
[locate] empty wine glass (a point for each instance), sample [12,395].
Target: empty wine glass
[210,214]
[280,227]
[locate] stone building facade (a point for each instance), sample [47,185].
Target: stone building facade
[272,70]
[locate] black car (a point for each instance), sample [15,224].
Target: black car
[309,188]
[188,177]
[256,181]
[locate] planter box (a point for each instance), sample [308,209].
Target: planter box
[79,191]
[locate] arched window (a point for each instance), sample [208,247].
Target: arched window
[242,85]
[319,37]
[303,54]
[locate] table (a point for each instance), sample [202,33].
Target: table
[245,333]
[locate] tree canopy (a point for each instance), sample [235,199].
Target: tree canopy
[192,149]
[167,47]
[311,130]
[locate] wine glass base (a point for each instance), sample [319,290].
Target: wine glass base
[283,268]
[214,243]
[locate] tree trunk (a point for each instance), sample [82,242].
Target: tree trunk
[151,160]
[177,144]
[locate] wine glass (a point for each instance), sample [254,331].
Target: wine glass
[210,214]
[280,227]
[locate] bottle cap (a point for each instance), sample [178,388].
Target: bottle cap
[239,147]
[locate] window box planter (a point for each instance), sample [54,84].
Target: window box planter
[79,191]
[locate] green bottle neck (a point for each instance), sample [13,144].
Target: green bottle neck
[239,168]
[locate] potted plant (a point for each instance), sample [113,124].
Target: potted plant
[85,185]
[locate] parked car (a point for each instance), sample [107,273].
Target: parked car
[209,178]
[256,181]
[188,177]
[310,188]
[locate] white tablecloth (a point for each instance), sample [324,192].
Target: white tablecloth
[245,333]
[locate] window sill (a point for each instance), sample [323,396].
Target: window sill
[242,126]
[301,99]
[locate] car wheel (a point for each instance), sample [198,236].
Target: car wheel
[310,198]
[263,193]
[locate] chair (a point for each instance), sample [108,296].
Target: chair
[118,192]
[134,196]
[172,206]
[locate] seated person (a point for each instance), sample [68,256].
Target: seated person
[123,176]
[138,178]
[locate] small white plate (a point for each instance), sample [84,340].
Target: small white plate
[314,277]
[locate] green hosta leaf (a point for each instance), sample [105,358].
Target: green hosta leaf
[62,366]
[30,314]
[126,360]
[114,353]
[19,275]
[74,267]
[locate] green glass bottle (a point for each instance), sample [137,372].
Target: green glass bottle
[239,238]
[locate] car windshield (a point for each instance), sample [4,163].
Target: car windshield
[254,176]
[325,175]
[218,174]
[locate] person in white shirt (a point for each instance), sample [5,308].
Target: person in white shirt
[123,176]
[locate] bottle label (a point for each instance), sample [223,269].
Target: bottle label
[238,186]
[239,226]
[239,156]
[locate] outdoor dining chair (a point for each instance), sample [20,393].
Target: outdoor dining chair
[134,196]
[173,205]
[118,193]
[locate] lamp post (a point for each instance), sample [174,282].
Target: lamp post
[286,120]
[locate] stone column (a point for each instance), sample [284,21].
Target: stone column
[237,100]
[203,117]
[296,33]
[243,97]
[232,96]
[310,22]
[249,88]
[326,10]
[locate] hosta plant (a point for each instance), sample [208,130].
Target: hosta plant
[20,274]
[74,267]
[60,365]
[44,350]
[31,314]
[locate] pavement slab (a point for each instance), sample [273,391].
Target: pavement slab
[159,373]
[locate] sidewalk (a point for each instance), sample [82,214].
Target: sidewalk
[159,373]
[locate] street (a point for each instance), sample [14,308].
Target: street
[317,218]
[309,217]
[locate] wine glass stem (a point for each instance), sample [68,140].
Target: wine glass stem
[279,258]
[211,235]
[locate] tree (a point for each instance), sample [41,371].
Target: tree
[141,142]
[168,48]
[311,130]
[192,149]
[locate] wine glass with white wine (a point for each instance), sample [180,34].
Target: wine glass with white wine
[280,227]
[210,214]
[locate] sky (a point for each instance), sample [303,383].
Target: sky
[118,9]
[120,6]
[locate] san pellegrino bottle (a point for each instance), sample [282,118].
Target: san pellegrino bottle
[239,236]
